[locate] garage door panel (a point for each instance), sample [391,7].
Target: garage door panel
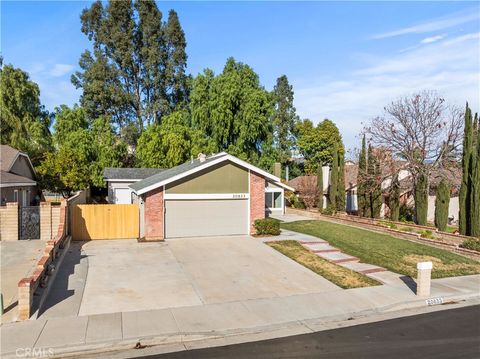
[192,218]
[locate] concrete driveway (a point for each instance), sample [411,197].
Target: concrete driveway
[18,260]
[123,275]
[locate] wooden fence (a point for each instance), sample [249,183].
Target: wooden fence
[105,221]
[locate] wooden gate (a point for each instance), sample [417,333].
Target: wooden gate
[105,221]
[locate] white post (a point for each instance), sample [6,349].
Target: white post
[424,271]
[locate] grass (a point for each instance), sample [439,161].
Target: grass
[343,277]
[392,253]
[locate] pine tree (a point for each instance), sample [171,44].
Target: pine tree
[340,201]
[370,183]
[320,188]
[442,202]
[421,199]
[475,192]
[332,190]
[394,199]
[464,195]
[361,178]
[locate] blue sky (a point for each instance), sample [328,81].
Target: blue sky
[346,60]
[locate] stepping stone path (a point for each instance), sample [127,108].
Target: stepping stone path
[326,251]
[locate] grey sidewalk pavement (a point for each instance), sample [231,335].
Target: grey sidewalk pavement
[289,315]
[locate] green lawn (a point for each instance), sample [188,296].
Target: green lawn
[394,254]
[343,277]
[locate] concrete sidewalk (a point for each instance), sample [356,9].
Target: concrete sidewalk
[176,326]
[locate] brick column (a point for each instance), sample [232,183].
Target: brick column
[9,222]
[153,209]
[257,199]
[45,221]
[25,296]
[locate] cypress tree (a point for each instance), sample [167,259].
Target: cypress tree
[442,202]
[320,188]
[332,190]
[464,195]
[475,192]
[341,183]
[370,183]
[421,199]
[394,199]
[361,177]
[377,190]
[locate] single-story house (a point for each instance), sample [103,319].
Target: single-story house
[208,196]
[17,178]
[119,180]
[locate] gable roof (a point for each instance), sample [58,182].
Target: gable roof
[188,168]
[112,173]
[8,157]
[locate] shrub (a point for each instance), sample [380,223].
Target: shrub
[426,234]
[471,243]
[297,203]
[406,213]
[267,226]
[329,211]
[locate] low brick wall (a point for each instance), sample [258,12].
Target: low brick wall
[371,224]
[9,222]
[27,286]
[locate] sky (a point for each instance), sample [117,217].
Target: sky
[345,60]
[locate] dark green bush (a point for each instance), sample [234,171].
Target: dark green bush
[471,243]
[330,211]
[267,226]
[427,234]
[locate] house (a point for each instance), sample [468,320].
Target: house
[208,196]
[119,180]
[17,178]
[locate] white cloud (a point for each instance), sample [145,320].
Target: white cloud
[429,40]
[446,22]
[450,67]
[59,70]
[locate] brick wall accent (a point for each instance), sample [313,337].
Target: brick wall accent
[45,220]
[257,199]
[9,222]
[153,209]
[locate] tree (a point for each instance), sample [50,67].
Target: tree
[320,188]
[423,131]
[475,192]
[442,202]
[370,182]
[361,179]
[24,123]
[332,189]
[171,143]
[284,119]
[421,199]
[317,144]
[233,111]
[340,200]
[377,199]
[465,187]
[136,72]
[394,199]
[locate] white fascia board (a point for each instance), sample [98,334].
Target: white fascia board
[207,165]
[4,185]
[283,185]
[187,196]
[121,180]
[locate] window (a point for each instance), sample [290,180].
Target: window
[273,199]
[15,195]
[268,199]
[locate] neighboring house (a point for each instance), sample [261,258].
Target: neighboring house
[119,181]
[17,178]
[216,195]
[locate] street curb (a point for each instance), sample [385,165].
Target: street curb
[187,341]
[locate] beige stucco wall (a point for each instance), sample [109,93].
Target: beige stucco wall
[453,208]
[225,178]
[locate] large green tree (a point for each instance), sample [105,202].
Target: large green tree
[284,119]
[24,123]
[340,201]
[233,111]
[442,202]
[465,187]
[394,199]
[475,191]
[361,180]
[135,72]
[318,143]
[370,182]
[332,189]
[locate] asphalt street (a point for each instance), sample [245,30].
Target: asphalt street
[451,333]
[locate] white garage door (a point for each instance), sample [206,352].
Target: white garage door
[123,196]
[200,218]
